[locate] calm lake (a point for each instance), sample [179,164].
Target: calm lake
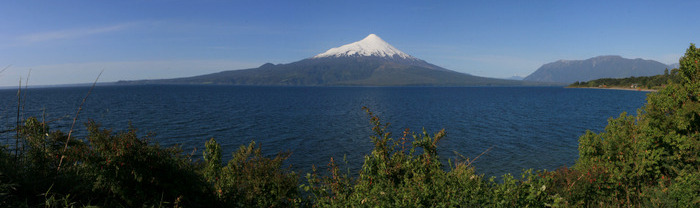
[528,127]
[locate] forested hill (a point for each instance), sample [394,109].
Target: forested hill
[648,82]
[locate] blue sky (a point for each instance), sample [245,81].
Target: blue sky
[65,42]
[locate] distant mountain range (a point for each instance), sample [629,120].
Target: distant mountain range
[516,78]
[570,71]
[368,62]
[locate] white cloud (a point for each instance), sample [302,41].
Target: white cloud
[72,33]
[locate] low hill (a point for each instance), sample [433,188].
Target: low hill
[642,83]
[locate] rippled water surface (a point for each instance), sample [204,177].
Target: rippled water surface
[528,127]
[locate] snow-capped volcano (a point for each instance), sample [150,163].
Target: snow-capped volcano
[372,45]
[368,62]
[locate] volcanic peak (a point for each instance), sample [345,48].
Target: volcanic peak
[372,45]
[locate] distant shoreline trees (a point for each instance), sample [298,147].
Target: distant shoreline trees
[651,83]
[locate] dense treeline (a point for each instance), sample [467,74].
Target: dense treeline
[651,82]
[648,160]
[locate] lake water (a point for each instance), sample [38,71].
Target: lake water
[528,127]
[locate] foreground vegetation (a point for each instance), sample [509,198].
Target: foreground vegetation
[648,160]
[648,83]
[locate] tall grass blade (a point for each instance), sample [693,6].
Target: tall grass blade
[80,107]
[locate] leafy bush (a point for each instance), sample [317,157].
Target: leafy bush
[107,169]
[250,179]
[121,170]
[407,172]
[129,171]
[645,156]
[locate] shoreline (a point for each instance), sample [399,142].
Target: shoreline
[617,88]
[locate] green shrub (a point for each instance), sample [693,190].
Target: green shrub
[106,169]
[407,172]
[8,174]
[126,170]
[652,157]
[250,179]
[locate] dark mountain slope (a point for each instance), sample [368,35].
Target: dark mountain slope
[569,71]
[353,71]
